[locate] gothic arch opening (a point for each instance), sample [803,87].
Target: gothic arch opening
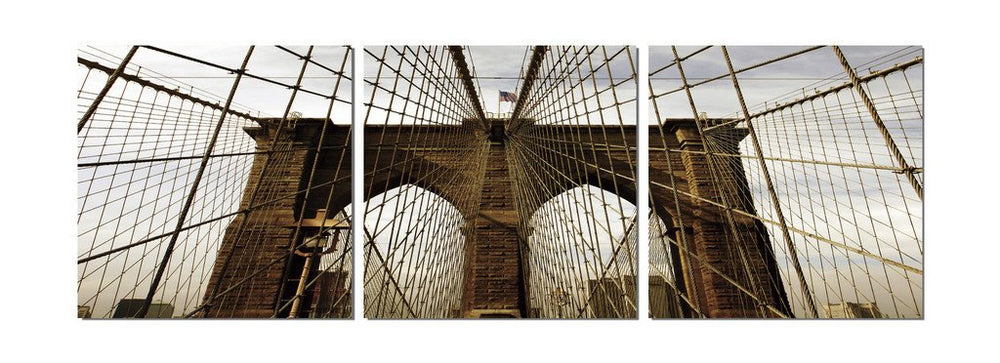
[581,256]
[414,253]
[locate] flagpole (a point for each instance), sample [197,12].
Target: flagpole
[498,103]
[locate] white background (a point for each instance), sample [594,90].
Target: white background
[38,149]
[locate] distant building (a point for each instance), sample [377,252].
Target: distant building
[613,298]
[849,310]
[129,308]
[333,296]
[664,301]
[388,302]
[83,311]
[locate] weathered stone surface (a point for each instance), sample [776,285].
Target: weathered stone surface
[252,249]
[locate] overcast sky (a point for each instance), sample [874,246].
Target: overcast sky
[768,83]
[253,95]
[498,68]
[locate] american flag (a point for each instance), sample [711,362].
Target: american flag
[507,97]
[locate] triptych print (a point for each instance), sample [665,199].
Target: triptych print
[500,182]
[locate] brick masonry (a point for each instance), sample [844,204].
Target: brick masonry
[734,245]
[495,278]
[265,236]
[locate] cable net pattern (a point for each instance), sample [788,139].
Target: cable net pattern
[191,204]
[525,213]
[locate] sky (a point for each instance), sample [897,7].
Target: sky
[486,63]
[498,68]
[774,82]
[499,62]
[253,95]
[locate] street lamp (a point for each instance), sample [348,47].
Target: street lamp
[559,298]
[313,247]
[310,249]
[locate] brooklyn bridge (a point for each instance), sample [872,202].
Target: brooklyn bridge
[769,182]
